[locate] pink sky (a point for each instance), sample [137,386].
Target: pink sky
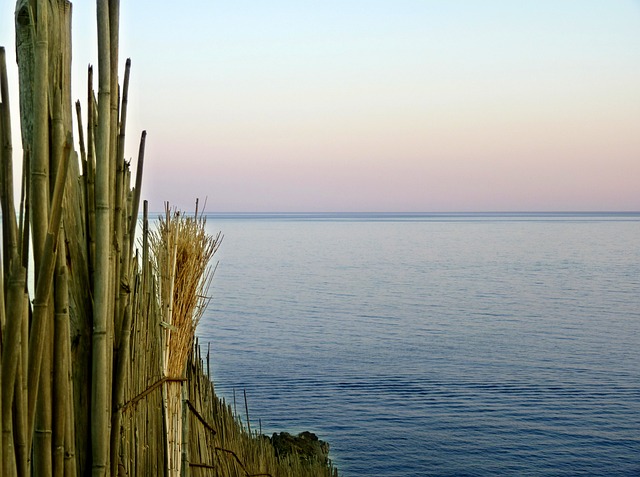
[442,105]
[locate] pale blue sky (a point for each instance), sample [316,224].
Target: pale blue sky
[401,105]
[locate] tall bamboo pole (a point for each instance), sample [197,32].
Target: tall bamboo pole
[91,177]
[40,216]
[40,147]
[119,200]
[61,126]
[43,290]
[20,401]
[137,190]
[10,360]
[114,169]
[10,227]
[100,396]
[61,369]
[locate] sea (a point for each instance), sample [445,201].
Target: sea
[463,344]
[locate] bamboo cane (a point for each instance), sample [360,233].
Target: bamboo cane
[119,383]
[61,371]
[2,265]
[40,216]
[91,177]
[10,227]
[4,270]
[25,51]
[137,190]
[100,395]
[40,146]
[20,401]
[54,405]
[119,199]
[43,291]
[10,359]
[70,465]
[113,9]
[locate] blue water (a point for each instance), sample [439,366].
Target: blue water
[445,344]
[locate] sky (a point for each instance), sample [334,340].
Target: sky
[378,105]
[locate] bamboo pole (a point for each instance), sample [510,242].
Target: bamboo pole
[10,360]
[113,9]
[119,382]
[40,147]
[10,227]
[91,177]
[100,395]
[118,204]
[20,401]
[11,318]
[61,369]
[114,169]
[70,465]
[137,190]
[39,216]
[4,270]
[46,407]
[43,291]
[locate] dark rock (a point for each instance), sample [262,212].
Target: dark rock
[305,445]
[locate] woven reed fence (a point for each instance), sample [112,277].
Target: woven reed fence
[99,374]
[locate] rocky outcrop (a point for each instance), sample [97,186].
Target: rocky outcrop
[305,445]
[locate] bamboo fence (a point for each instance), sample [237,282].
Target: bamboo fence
[99,373]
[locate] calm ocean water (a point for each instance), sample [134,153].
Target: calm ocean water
[462,344]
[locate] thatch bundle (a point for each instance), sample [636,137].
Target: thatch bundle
[182,252]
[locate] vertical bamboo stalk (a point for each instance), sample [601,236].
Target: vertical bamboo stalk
[246,408]
[100,395]
[91,177]
[22,450]
[22,438]
[70,464]
[3,106]
[119,199]
[119,382]
[40,216]
[10,360]
[44,281]
[113,8]
[61,369]
[10,227]
[113,324]
[4,270]
[70,468]
[61,297]
[185,431]
[137,190]
[40,158]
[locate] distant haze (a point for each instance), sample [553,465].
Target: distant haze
[372,105]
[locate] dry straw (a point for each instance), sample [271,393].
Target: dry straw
[182,252]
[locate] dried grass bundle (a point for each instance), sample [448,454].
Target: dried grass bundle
[182,252]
